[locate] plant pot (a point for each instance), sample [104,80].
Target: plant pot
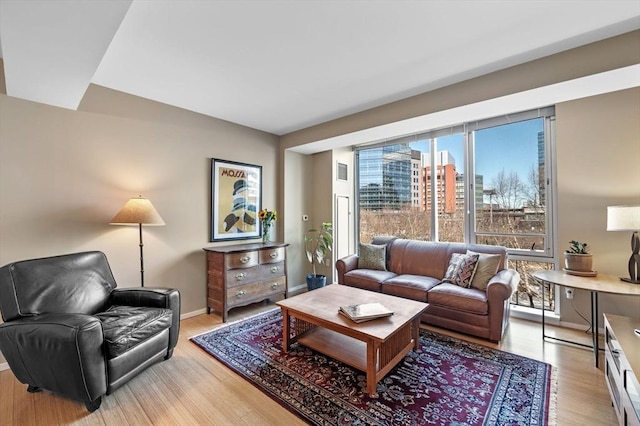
[578,262]
[316,281]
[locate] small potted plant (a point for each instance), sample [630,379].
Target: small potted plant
[318,243]
[577,257]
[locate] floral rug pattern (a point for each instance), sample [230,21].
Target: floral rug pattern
[449,382]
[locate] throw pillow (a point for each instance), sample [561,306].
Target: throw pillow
[372,257]
[487,268]
[461,269]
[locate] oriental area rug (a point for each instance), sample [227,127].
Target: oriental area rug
[448,382]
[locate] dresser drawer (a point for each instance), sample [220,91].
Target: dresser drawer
[272,255]
[257,291]
[245,259]
[271,270]
[236,277]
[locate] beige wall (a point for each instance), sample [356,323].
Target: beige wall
[64,174]
[297,180]
[598,154]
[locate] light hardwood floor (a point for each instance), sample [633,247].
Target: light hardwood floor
[193,388]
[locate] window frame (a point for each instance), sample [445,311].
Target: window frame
[467,129]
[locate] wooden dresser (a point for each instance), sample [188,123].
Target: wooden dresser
[241,274]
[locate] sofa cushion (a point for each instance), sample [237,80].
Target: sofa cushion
[126,326]
[372,257]
[486,268]
[414,287]
[459,298]
[367,279]
[461,269]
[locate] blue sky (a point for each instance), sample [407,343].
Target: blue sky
[513,147]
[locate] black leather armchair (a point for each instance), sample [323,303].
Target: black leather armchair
[67,329]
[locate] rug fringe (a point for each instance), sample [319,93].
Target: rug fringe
[553,398]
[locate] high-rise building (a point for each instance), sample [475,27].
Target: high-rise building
[385,177]
[445,186]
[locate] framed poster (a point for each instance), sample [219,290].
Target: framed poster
[236,199]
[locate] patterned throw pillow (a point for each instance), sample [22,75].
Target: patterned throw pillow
[461,269]
[487,268]
[372,257]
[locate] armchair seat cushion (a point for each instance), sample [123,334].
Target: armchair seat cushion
[126,326]
[459,298]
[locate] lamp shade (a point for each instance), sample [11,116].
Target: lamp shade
[138,211]
[623,218]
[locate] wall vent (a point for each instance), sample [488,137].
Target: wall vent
[342,172]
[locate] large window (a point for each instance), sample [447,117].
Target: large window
[486,182]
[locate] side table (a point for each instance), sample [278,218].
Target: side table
[601,283]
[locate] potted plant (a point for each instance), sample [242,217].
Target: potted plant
[577,257]
[318,243]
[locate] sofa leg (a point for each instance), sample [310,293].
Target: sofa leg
[93,405]
[33,389]
[169,354]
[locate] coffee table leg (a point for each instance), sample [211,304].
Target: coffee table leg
[415,333]
[285,330]
[372,350]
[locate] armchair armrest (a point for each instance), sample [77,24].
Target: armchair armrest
[153,297]
[345,265]
[59,352]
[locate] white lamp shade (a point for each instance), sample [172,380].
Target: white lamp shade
[138,211]
[623,218]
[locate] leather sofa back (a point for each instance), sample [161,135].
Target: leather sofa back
[430,258]
[73,283]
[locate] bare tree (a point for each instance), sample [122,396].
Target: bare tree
[509,189]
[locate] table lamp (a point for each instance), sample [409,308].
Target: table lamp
[627,218]
[138,211]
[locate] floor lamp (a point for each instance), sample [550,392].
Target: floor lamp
[138,211]
[627,218]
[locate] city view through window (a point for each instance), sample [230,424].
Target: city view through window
[419,188]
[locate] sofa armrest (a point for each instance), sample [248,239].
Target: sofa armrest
[499,290]
[345,265]
[59,352]
[502,285]
[153,297]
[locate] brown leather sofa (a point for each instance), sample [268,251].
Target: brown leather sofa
[415,270]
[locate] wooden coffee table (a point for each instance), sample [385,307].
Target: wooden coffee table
[374,347]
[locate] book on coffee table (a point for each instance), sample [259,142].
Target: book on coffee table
[365,311]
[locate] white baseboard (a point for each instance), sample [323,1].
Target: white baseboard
[531,314]
[4,366]
[297,289]
[193,314]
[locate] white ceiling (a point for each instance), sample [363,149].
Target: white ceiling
[280,66]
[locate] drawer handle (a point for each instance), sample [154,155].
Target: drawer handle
[241,276]
[241,293]
[274,269]
[245,259]
[275,285]
[273,255]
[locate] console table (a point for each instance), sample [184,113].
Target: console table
[601,283]
[241,274]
